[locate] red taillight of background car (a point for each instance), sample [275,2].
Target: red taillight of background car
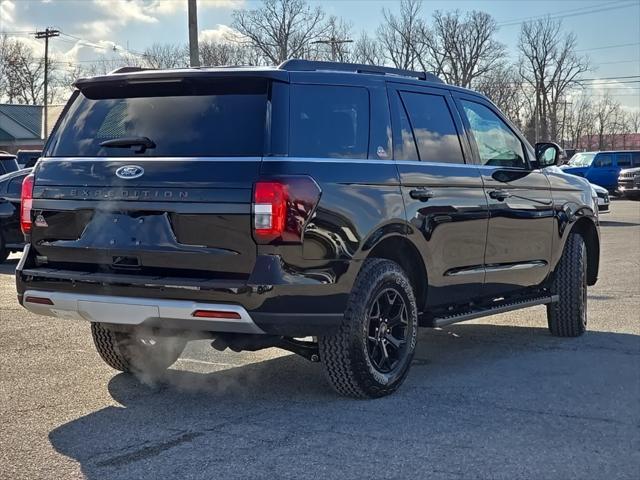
[282,207]
[26,202]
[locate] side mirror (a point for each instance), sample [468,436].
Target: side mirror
[548,154]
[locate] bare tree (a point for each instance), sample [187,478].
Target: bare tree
[213,53]
[605,113]
[403,36]
[335,46]
[549,63]
[634,121]
[22,72]
[367,50]
[280,29]
[463,48]
[579,121]
[166,55]
[502,86]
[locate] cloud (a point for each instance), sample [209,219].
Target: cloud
[7,12]
[220,34]
[124,12]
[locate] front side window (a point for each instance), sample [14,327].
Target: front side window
[497,145]
[433,128]
[603,160]
[329,121]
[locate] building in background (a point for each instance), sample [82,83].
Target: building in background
[618,141]
[21,126]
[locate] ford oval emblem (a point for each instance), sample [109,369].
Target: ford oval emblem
[129,172]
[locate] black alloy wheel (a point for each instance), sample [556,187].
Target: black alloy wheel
[387,330]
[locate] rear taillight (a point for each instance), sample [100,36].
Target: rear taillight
[26,202]
[282,208]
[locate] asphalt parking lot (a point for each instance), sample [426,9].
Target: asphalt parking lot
[493,398]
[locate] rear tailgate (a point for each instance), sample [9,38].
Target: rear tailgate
[182,214]
[152,174]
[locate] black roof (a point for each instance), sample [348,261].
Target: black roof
[281,72]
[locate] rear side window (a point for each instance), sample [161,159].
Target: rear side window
[14,188]
[623,160]
[184,120]
[433,128]
[635,159]
[329,121]
[404,143]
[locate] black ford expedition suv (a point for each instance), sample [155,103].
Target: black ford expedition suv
[328,209]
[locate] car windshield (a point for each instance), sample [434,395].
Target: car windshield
[581,159]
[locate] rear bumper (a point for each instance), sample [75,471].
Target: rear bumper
[275,300]
[150,312]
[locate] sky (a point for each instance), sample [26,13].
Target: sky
[607,31]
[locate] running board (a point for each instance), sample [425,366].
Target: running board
[484,312]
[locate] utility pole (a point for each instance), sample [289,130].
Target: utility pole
[564,119]
[194,55]
[334,42]
[46,34]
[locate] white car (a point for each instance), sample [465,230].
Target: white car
[603,197]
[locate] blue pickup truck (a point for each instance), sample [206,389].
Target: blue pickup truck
[602,168]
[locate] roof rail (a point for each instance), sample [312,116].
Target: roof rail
[297,65]
[129,70]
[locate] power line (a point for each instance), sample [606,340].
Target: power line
[608,46]
[570,13]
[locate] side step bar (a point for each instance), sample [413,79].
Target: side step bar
[484,312]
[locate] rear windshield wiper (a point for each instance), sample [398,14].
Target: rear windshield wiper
[127,142]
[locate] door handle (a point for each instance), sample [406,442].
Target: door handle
[421,194]
[499,195]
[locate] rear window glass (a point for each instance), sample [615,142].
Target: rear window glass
[329,121]
[211,120]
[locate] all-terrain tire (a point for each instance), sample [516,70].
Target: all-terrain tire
[136,352]
[568,316]
[344,354]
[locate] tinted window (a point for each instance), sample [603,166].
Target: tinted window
[497,144]
[15,186]
[404,143]
[635,159]
[200,119]
[603,160]
[433,128]
[623,160]
[328,121]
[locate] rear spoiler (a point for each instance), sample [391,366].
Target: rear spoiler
[136,75]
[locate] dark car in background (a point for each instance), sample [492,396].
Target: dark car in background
[11,237]
[602,168]
[629,182]
[8,163]
[28,158]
